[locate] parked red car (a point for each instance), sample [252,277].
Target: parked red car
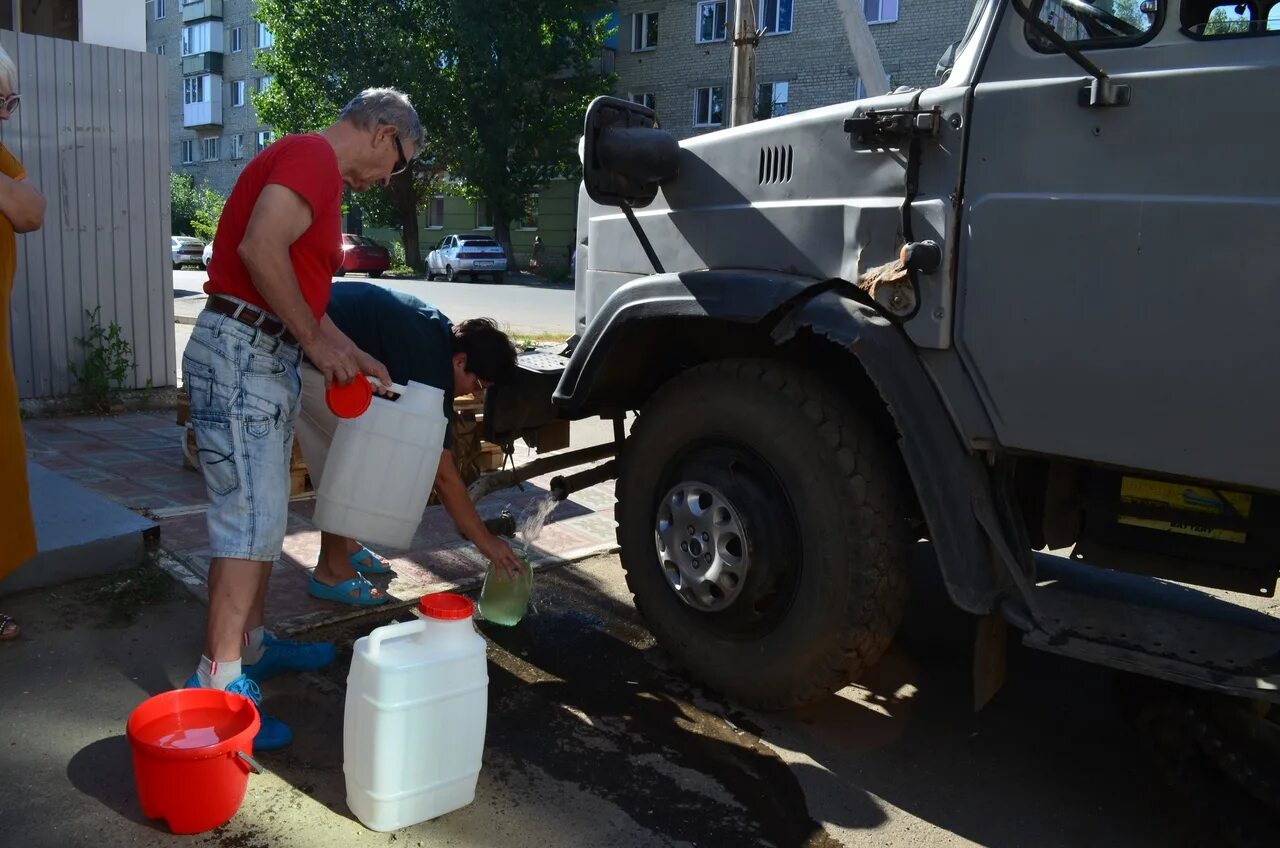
[363,254]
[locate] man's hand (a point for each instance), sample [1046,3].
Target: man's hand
[504,560]
[336,358]
[375,369]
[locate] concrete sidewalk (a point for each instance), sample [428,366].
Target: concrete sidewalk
[135,459]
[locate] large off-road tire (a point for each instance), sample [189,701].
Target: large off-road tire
[787,498]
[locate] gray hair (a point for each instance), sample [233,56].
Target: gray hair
[375,106]
[8,73]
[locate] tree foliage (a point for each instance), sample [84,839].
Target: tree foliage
[193,209]
[500,86]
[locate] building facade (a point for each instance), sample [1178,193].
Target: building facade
[674,55]
[208,48]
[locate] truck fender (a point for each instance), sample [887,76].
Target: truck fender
[738,296]
[949,481]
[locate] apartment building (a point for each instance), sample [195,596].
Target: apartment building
[209,47]
[674,55]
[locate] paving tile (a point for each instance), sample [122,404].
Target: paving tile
[89,475]
[115,457]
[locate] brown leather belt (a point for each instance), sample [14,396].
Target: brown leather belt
[251,315]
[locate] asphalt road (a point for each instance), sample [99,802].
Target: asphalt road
[522,303]
[594,740]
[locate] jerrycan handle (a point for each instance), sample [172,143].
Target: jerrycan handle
[391,631]
[396,389]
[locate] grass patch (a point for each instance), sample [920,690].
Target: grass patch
[525,341]
[122,596]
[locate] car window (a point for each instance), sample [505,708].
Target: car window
[1095,23]
[346,239]
[1212,19]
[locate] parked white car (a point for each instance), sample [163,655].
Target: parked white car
[208,254]
[187,250]
[469,253]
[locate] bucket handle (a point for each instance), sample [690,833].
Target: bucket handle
[254,765]
[391,631]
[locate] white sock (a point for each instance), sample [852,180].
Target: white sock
[251,648]
[217,675]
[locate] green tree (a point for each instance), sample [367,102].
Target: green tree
[193,209]
[1220,23]
[328,50]
[501,87]
[520,74]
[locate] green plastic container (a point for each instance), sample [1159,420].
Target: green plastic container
[505,601]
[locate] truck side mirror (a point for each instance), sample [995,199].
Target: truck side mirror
[625,157]
[946,63]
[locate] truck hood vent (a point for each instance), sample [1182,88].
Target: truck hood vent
[775,164]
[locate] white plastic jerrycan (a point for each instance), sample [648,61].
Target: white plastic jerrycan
[381,468]
[413,732]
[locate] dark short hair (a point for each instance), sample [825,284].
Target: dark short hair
[490,354]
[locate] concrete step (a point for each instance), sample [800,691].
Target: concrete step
[79,533]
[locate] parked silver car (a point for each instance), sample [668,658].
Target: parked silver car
[468,253]
[186,251]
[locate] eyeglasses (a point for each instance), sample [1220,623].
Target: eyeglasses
[402,163]
[10,103]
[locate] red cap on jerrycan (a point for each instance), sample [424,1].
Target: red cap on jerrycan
[445,606]
[351,400]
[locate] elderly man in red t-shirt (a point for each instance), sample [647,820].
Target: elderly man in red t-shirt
[279,241]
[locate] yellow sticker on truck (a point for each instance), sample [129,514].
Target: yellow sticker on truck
[1192,500]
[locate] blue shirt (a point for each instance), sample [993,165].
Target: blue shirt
[412,338]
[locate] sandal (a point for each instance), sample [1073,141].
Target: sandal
[365,561]
[9,629]
[342,592]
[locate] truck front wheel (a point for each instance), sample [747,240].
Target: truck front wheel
[762,531]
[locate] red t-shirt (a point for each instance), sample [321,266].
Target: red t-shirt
[307,165]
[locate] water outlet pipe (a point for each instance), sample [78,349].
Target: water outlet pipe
[562,487]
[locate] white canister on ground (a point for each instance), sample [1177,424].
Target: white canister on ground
[381,468]
[413,731]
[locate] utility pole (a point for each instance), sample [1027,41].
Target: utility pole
[865,53]
[742,70]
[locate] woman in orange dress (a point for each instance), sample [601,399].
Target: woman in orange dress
[21,211]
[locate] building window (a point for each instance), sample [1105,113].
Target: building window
[860,90]
[237,39]
[775,16]
[484,220]
[880,11]
[210,149]
[195,89]
[159,9]
[530,219]
[237,146]
[712,21]
[644,31]
[263,83]
[708,106]
[264,138]
[198,38]
[771,100]
[188,151]
[160,49]
[435,213]
[237,93]
[265,37]
[646,99]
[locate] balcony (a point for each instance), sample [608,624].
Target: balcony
[207,112]
[199,10]
[202,63]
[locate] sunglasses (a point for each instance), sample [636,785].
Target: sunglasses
[402,163]
[10,103]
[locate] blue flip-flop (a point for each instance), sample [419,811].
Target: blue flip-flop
[364,561]
[342,592]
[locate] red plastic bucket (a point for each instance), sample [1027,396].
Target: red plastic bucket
[192,754]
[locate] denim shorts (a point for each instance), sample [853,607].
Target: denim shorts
[245,392]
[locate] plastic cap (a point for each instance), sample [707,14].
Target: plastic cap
[446,606]
[351,400]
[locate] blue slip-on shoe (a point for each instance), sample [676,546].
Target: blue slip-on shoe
[272,732]
[341,593]
[279,655]
[365,561]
